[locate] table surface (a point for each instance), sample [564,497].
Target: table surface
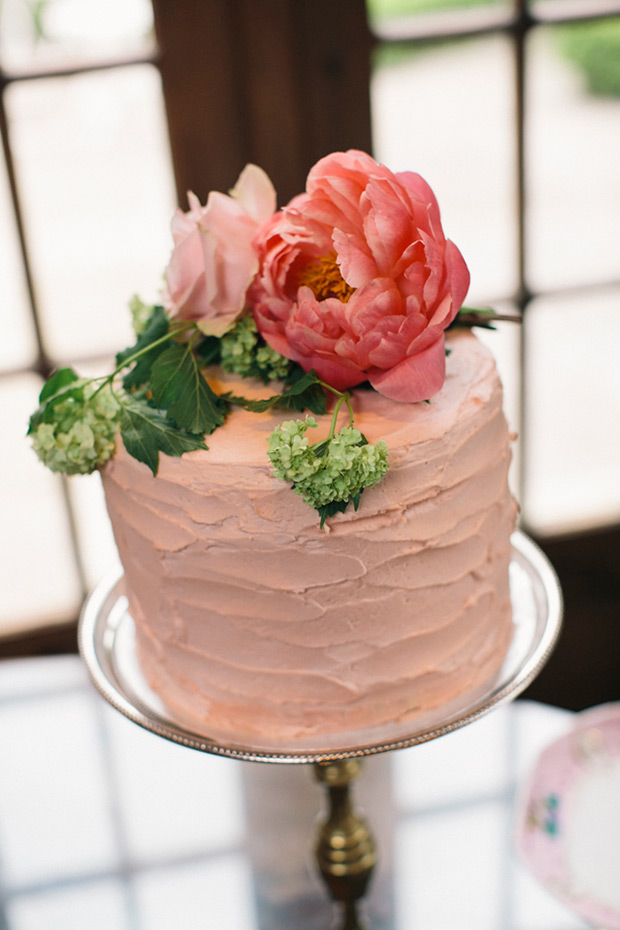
[104,825]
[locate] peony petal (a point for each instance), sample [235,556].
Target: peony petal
[444,312]
[407,279]
[357,266]
[371,304]
[416,378]
[338,374]
[424,206]
[276,339]
[458,274]
[387,225]
[321,318]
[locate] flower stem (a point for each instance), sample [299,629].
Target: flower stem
[108,379]
[342,399]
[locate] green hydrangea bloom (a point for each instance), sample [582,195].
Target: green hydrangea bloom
[80,435]
[337,469]
[290,453]
[243,353]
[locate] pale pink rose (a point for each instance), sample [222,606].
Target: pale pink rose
[214,260]
[358,281]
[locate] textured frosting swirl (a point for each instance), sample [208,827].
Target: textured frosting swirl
[255,625]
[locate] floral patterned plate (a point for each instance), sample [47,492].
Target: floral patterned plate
[568,825]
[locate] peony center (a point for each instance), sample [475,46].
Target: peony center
[324,279]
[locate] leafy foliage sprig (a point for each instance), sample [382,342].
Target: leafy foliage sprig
[158,399]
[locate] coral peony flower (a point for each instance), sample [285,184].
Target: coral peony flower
[214,260]
[358,281]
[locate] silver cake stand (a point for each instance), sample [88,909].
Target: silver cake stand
[345,849]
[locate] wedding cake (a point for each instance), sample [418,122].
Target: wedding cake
[305,464]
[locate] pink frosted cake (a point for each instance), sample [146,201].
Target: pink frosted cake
[255,625]
[295,580]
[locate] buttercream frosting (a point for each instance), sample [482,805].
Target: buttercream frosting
[256,626]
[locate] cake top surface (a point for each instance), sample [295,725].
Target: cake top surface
[471,379]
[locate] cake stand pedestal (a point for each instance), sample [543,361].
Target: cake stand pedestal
[345,849]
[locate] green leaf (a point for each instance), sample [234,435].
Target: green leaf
[320,448]
[178,385]
[156,328]
[478,311]
[45,411]
[209,351]
[484,318]
[146,432]
[328,510]
[355,499]
[60,379]
[304,393]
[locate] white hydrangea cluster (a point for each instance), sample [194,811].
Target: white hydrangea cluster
[81,435]
[337,469]
[241,353]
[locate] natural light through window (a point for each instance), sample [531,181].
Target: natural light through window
[94,180]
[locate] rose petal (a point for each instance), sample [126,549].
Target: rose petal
[229,256]
[214,259]
[216,325]
[255,192]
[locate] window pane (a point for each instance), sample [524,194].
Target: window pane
[381,10]
[60,32]
[447,112]
[92,159]
[505,344]
[39,580]
[573,136]
[573,410]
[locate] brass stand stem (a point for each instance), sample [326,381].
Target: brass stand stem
[345,849]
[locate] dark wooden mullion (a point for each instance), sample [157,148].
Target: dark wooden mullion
[336,93]
[199,65]
[269,81]
[276,70]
